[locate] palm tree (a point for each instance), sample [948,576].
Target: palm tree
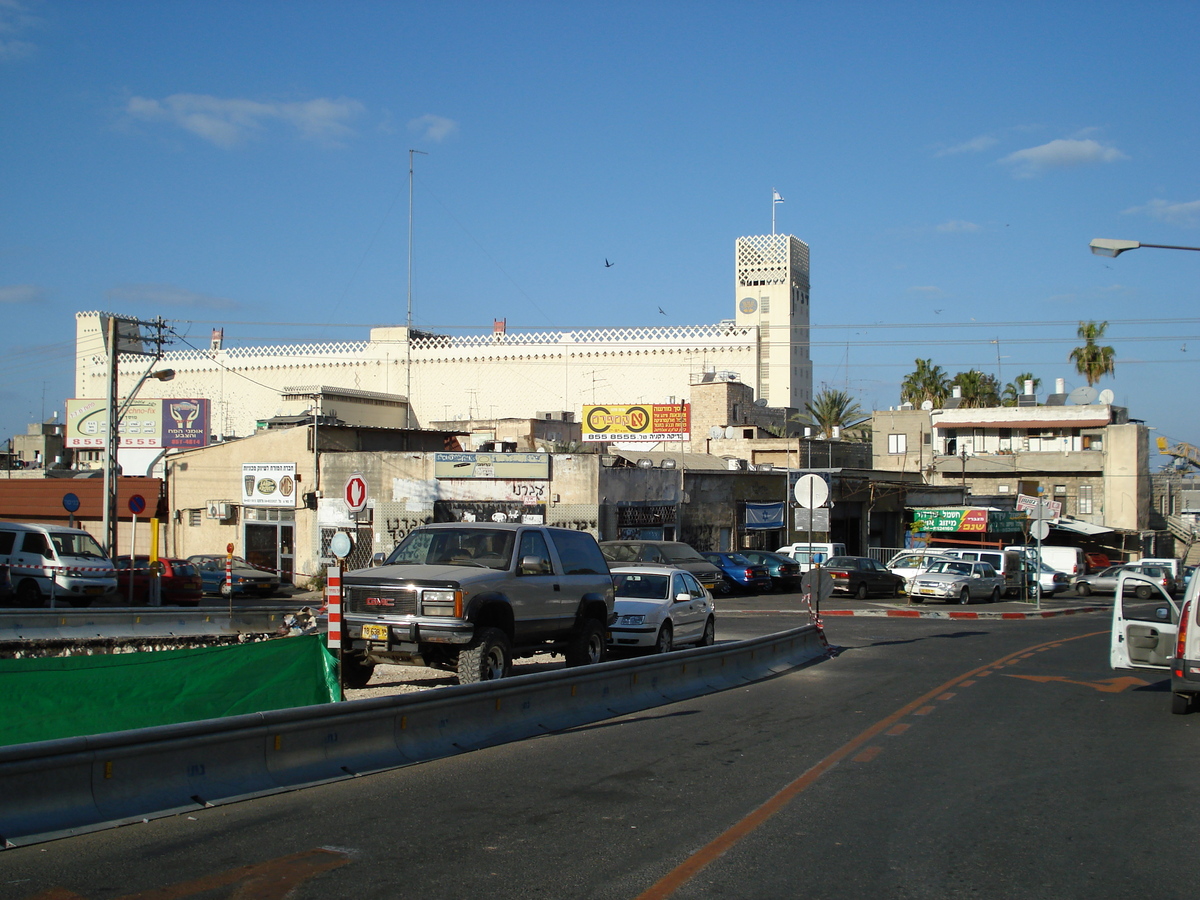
[830,409]
[1016,388]
[926,382]
[1091,360]
[978,388]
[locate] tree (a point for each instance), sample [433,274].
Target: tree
[830,409]
[926,382]
[1091,360]
[1015,388]
[978,388]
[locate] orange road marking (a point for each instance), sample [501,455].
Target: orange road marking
[967,683]
[947,696]
[923,711]
[732,836]
[899,729]
[869,754]
[1108,685]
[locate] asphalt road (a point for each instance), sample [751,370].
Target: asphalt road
[929,759]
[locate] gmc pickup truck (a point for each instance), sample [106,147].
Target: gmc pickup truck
[472,597]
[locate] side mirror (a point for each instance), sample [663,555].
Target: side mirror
[1162,614]
[533,565]
[683,597]
[377,559]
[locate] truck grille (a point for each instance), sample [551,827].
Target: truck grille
[384,601]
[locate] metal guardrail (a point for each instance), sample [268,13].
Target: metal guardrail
[139,622]
[70,786]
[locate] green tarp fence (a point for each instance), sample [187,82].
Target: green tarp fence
[70,696]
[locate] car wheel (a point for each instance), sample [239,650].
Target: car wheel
[861,593]
[356,671]
[965,597]
[28,594]
[1083,589]
[486,658]
[995,595]
[1144,592]
[1035,592]
[666,640]
[587,645]
[725,587]
[1181,703]
[709,637]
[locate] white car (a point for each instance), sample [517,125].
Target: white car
[659,608]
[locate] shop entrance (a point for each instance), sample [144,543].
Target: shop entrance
[271,544]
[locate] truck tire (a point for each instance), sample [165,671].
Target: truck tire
[356,671]
[586,646]
[28,594]
[487,658]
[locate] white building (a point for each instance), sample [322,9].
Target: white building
[501,374]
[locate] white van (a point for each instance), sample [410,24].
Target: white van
[807,554]
[1068,560]
[56,562]
[1171,565]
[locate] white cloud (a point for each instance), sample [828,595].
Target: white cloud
[1060,154]
[974,145]
[929,289]
[958,226]
[14,19]
[21,293]
[433,128]
[228,122]
[167,295]
[1171,213]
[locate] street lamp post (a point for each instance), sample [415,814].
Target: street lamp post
[1110,247]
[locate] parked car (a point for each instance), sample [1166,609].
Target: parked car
[179,581]
[908,563]
[957,580]
[807,554]
[1097,561]
[785,572]
[660,608]
[247,578]
[1009,563]
[1105,581]
[739,573]
[862,576]
[664,553]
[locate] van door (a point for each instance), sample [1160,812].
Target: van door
[1143,631]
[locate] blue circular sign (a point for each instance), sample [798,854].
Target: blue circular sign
[70,503]
[137,504]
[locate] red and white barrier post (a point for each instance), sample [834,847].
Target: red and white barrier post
[333,604]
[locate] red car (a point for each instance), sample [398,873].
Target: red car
[179,582]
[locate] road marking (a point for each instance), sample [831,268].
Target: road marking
[732,836]
[1108,685]
[869,754]
[923,711]
[898,729]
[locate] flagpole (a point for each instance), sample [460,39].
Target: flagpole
[774,194]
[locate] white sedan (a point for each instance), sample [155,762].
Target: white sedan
[658,608]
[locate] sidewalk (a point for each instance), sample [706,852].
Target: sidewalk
[1066,604]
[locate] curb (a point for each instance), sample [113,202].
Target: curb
[926,613]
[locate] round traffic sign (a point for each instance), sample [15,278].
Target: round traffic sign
[811,491]
[137,504]
[355,493]
[339,545]
[71,503]
[1040,529]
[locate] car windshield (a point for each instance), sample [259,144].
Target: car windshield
[675,552]
[949,567]
[843,562]
[481,547]
[77,546]
[620,552]
[639,586]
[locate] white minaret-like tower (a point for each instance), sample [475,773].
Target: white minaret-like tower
[772,295]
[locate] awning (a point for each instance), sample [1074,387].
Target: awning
[1080,527]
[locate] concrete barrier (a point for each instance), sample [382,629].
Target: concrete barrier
[57,788]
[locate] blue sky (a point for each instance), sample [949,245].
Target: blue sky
[246,165]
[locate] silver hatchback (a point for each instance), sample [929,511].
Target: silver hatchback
[960,580]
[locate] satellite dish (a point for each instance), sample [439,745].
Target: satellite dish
[730,432]
[1082,396]
[760,402]
[1106,396]
[716,432]
[927,405]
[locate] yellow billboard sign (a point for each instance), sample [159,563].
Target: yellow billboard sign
[651,422]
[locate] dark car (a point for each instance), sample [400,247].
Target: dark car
[247,578]
[663,553]
[179,581]
[862,576]
[785,572]
[739,573]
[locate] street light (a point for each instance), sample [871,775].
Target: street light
[1110,247]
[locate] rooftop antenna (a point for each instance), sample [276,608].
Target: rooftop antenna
[408,320]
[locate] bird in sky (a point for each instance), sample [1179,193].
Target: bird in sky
[660,309]
[607,264]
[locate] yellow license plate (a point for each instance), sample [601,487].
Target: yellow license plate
[926,591]
[375,632]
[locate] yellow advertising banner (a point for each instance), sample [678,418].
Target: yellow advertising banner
[651,422]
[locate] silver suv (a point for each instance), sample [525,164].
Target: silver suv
[471,597]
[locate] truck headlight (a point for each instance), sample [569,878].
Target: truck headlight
[442,603]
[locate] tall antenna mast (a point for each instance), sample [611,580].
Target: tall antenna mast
[408,320]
